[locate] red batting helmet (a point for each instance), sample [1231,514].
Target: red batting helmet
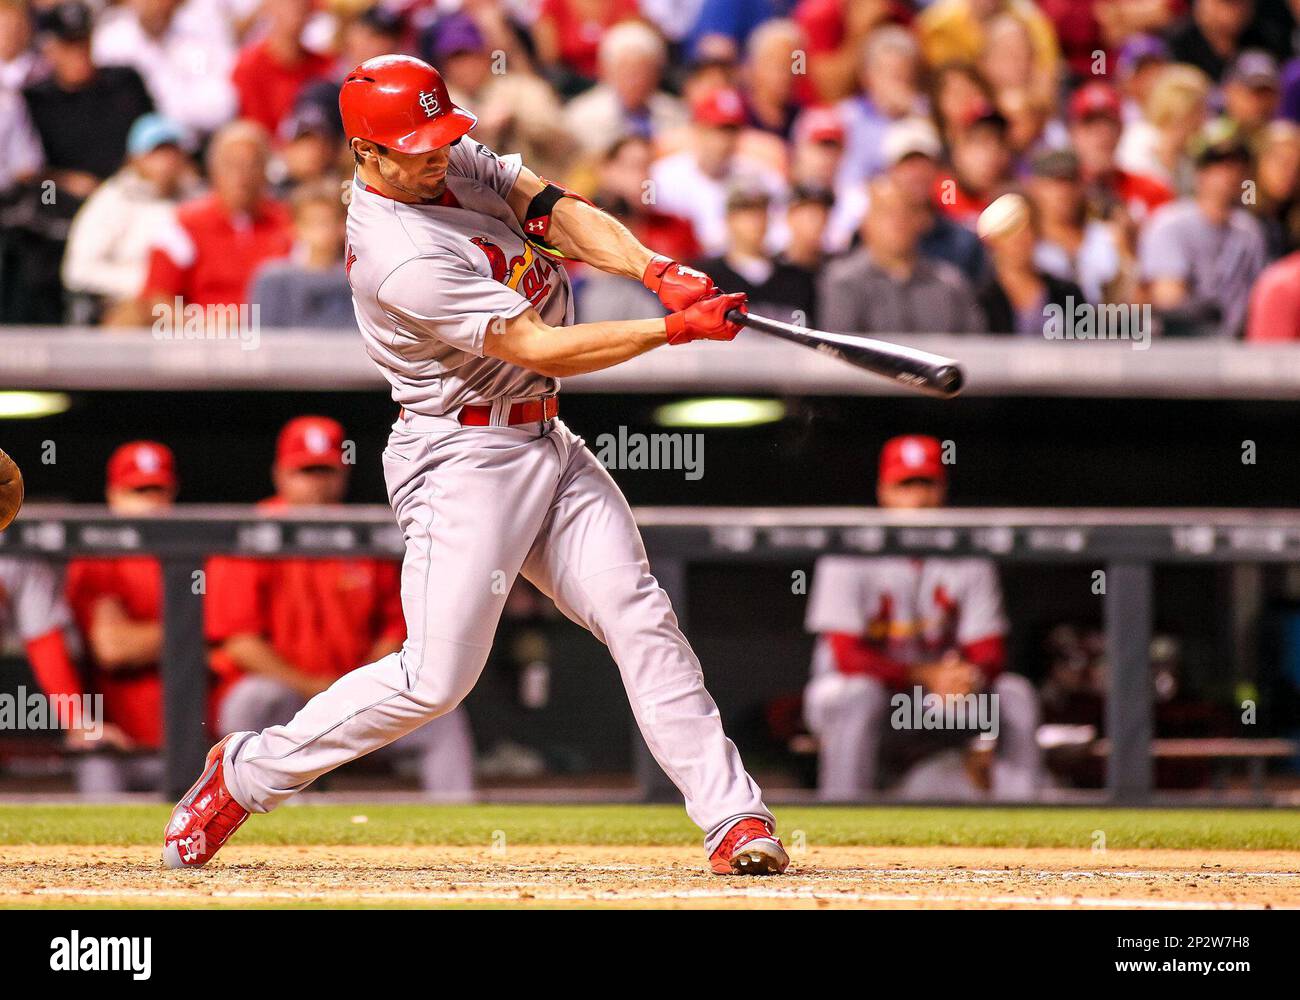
[401,102]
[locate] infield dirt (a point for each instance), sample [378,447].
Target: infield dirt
[62,876]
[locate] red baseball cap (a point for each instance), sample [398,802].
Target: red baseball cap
[308,441]
[1096,100]
[720,106]
[912,456]
[820,124]
[142,463]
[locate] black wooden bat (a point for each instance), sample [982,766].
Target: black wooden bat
[922,371]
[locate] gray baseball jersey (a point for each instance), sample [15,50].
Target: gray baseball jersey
[429,280]
[481,505]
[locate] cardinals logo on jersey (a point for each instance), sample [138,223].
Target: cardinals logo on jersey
[527,273]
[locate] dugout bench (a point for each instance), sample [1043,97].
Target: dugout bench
[1124,543]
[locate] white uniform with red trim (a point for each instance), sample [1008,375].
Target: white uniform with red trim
[916,609]
[907,612]
[31,598]
[479,505]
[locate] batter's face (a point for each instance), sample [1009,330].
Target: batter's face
[409,176]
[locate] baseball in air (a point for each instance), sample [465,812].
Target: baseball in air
[11,490]
[1002,218]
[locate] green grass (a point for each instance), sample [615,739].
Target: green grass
[1205,829]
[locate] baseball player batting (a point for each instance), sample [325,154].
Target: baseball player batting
[452,258]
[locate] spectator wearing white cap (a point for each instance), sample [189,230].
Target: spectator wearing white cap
[184,58]
[912,153]
[108,246]
[627,99]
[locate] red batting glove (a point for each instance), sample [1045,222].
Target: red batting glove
[677,285]
[706,320]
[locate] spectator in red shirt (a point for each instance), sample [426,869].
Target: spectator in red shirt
[285,629]
[1079,33]
[624,189]
[272,71]
[981,167]
[568,33]
[1095,128]
[1275,302]
[211,250]
[837,30]
[117,603]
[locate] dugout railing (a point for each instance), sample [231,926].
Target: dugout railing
[1126,544]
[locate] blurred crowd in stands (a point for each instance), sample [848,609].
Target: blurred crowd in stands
[829,157]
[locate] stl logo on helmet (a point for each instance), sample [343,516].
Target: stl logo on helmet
[429,102]
[528,274]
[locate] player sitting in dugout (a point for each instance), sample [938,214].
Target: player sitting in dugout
[286,628]
[888,626]
[117,603]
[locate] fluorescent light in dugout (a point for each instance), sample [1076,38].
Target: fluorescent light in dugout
[719,411]
[19,404]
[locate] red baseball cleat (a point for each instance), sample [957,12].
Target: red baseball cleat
[204,819]
[749,849]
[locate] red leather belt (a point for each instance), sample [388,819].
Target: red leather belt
[531,411]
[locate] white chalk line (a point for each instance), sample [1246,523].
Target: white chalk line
[788,894]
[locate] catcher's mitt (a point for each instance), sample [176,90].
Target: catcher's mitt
[11,490]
